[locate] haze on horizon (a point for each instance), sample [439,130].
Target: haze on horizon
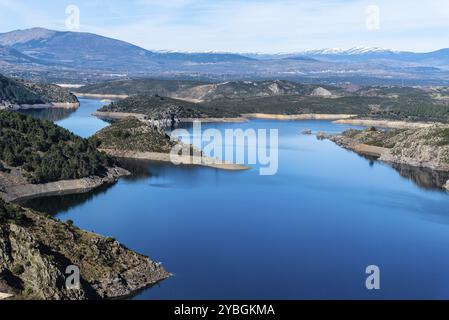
[245,26]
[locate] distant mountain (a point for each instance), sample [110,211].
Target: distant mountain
[87,50]
[438,58]
[74,57]
[10,55]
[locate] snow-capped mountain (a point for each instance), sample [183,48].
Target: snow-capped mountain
[350,52]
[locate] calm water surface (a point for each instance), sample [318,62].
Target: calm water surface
[307,232]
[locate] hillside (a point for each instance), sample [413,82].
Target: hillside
[51,93]
[393,103]
[200,91]
[425,147]
[36,251]
[38,151]
[15,94]
[162,111]
[166,88]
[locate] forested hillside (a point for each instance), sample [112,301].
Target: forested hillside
[46,152]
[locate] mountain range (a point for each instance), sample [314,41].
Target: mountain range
[85,57]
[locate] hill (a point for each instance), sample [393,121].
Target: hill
[132,134]
[162,111]
[426,147]
[39,151]
[394,103]
[14,94]
[166,88]
[201,91]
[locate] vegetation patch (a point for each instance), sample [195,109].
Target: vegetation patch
[47,152]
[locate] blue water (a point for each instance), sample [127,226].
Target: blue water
[307,232]
[82,122]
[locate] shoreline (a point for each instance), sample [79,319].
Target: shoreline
[245,117]
[101,260]
[392,124]
[165,157]
[305,116]
[383,154]
[142,117]
[100,96]
[22,192]
[55,105]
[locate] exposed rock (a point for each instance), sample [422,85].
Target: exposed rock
[322,135]
[426,147]
[306,131]
[321,92]
[34,256]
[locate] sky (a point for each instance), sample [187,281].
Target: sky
[265,26]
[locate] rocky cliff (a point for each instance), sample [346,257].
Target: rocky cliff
[35,252]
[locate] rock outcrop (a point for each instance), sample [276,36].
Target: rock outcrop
[321,92]
[36,251]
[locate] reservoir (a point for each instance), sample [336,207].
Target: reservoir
[308,232]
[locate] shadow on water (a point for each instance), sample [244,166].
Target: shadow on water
[53,205]
[52,114]
[58,204]
[423,177]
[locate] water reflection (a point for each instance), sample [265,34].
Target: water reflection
[58,204]
[140,169]
[423,177]
[52,114]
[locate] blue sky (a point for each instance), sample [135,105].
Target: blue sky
[246,26]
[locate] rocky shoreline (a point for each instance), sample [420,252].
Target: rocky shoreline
[11,192]
[184,160]
[392,124]
[100,96]
[398,154]
[305,116]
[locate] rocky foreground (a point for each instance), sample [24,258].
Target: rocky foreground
[426,147]
[35,252]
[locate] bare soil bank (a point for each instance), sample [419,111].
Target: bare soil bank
[13,189]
